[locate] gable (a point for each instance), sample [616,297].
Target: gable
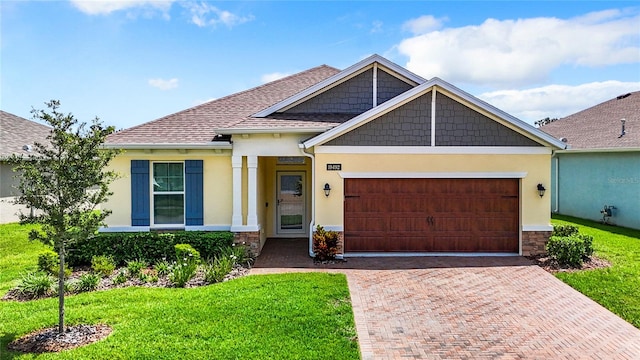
[355,95]
[457,119]
[410,125]
[459,125]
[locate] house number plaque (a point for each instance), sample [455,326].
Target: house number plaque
[334,167]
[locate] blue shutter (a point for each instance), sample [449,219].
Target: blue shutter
[140,193]
[194,211]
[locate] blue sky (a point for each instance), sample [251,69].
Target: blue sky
[132,61]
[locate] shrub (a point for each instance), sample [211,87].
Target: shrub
[564,230]
[182,272]
[87,282]
[120,278]
[325,244]
[134,267]
[567,250]
[588,244]
[238,254]
[103,265]
[49,262]
[162,267]
[148,246]
[216,270]
[187,252]
[36,284]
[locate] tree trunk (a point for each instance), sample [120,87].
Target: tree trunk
[61,290]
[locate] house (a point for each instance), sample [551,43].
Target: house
[395,163]
[601,167]
[17,136]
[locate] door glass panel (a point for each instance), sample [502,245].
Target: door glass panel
[291,203]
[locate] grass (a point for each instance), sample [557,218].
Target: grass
[617,288]
[285,316]
[17,254]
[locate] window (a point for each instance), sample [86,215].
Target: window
[168,193]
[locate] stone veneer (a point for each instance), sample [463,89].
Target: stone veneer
[533,242]
[249,239]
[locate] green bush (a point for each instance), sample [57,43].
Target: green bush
[36,284]
[186,252]
[567,250]
[148,246]
[134,268]
[87,282]
[588,244]
[120,278]
[182,272]
[162,267]
[49,262]
[238,253]
[103,265]
[325,244]
[564,230]
[216,270]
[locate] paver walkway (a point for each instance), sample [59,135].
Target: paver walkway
[465,308]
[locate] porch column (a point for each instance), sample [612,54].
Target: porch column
[236,164]
[252,189]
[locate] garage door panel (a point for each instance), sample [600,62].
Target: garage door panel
[440,215]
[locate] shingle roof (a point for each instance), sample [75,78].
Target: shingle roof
[197,125]
[599,127]
[16,132]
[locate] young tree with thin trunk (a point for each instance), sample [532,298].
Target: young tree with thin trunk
[62,182]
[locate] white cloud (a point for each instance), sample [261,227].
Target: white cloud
[105,7]
[204,14]
[423,24]
[273,77]
[164,84]
[556,100]
[523,51]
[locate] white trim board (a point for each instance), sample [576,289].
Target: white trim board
[432,175]
[464,150]
[527,228]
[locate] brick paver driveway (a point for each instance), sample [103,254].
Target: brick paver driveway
[466,308]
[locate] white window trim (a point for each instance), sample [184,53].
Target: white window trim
[152,217]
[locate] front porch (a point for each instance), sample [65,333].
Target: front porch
[272,198]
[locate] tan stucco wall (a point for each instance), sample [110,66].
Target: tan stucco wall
[534,210]
[217,182]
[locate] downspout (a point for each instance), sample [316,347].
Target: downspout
[313,197]
[556,161]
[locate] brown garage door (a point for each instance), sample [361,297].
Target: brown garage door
[431,215]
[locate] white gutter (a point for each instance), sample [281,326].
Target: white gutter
[556,160]
[313,197]
[273,130]
[170,146]
[600,150]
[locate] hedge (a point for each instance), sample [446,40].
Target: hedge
[147,246]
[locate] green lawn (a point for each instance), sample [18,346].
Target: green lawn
[290,316]
[617,288]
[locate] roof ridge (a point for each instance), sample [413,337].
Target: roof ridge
[226,97]
[632,93]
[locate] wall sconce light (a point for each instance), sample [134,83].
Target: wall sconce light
[541,190]
[327,189]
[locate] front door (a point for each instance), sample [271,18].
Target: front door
[291,203]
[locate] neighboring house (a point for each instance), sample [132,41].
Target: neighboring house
[17,136]
[393,162]
[601,167]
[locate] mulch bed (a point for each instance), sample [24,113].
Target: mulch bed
[552,266]
[49,340]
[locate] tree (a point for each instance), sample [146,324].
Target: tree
[62,182]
